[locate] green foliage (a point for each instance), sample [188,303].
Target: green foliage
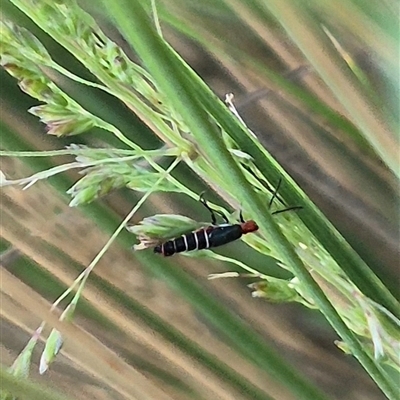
[161,227]
[208,137]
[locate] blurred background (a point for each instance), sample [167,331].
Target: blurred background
[147,316]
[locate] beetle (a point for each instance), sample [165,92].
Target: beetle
[215,235]
[211,236]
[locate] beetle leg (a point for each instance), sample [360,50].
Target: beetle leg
[224,217]
[204,202]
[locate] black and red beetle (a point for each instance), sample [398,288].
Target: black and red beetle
[208,237]
[214,235]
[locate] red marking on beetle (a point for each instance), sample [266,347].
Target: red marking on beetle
[249,226]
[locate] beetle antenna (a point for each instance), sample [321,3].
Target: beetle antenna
[287,209]
[275,193]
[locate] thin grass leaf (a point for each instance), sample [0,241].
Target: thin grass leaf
[228,157]
[21,365]
[52,347]
[154,52]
